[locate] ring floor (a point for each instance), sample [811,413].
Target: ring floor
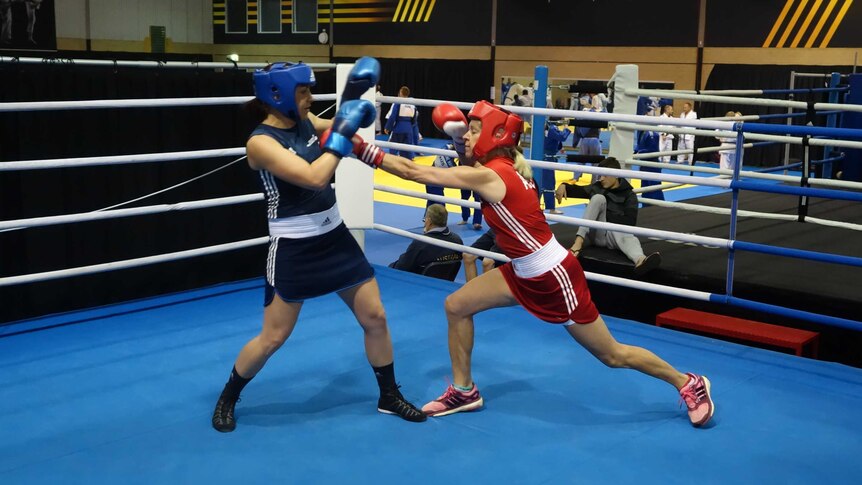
[124,394]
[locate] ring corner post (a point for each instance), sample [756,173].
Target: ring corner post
[537,124]
[622,141]
[356,195]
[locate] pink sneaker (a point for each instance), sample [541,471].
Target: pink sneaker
[695,394]
[454,401]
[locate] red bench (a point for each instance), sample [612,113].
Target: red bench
[738,328]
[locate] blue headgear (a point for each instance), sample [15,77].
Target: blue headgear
[276,85]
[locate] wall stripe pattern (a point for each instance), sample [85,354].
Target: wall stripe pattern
[812,30]
[345,11]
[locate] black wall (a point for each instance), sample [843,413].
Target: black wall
[62,134]
[434,79]
[670,23]
[79,133]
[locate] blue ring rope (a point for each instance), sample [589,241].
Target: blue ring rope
[787,312]
[776,116]
[807,191]
[797,253]
[805,90]
[775,129]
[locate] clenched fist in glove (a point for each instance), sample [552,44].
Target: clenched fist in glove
[451,121]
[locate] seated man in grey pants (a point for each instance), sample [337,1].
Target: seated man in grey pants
[611,200]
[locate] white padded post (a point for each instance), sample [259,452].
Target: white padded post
[622,141]
[354,181]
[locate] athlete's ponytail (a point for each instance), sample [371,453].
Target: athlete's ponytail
[521,165]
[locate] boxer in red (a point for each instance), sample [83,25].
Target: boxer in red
[543,276]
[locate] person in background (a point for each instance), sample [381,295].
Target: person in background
[727,158]
[686,142]
[441,161]
[378,126]
[402,124]
[485,242]
[554,138]
[666,139]
[420,254]
[611,199]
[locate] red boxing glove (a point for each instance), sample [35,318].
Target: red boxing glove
[367,153]
[450,120]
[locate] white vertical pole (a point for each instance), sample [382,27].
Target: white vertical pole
[354,181]
[622,141]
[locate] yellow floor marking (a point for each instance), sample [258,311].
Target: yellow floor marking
[383,178]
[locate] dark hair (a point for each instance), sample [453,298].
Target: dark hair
[256,109]
[610,162]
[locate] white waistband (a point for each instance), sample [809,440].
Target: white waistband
[540,262]
[306,225]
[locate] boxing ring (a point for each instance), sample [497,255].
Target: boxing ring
[123,393]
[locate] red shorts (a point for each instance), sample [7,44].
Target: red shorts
[558,296]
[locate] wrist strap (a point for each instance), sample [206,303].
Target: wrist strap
[371,155]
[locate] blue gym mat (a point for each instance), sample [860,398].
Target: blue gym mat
[125,395]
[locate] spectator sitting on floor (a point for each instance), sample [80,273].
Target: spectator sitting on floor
[611,200]
[420,254]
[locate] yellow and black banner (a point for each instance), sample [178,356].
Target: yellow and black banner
[784,23]
[411,22]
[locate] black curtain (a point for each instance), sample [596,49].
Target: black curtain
[434,79]
[79,133]
[742,76]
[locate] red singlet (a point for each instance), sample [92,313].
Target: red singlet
[544,277]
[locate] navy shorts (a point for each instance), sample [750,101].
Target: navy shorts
[299,269]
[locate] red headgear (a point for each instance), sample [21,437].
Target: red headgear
[499,128]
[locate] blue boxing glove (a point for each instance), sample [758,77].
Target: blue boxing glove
[363,76]
[350,117]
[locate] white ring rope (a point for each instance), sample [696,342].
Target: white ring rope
[135,103]
[156,64]
[816,74]
[622,228]
[633,174]
[433,197]
[136,211]
[120,159]
[416,148]
[581,115]
[742,101]
[131,263]
[629,174]
[613,280]
[732,118]
[638,231]
[749,174]
[642,122]
[655,188]
[103,213]
[690,151]
[443,244]
[795,140]
[745,213]
[198,177]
